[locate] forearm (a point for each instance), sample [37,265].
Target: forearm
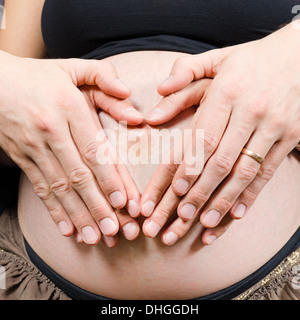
[22,35]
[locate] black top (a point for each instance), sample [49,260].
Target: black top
[101,28]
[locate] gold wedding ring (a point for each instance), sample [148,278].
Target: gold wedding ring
[253,155]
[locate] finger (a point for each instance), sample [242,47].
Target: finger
[120,110]
[96,152]
[216,169]
[110,241]
[172,105]
[190,68]
[133,195]
[212,121]
[267,170]
[156,187]
[243,173]
[82,180]
[211,235]
[207,130]
[68,197]
[177,230]
[128,225]
[78,237]
[94,72]
[165,209]
[43,191]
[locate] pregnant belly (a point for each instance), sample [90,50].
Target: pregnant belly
[145,268]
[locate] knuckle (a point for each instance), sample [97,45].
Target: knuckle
[183,67]
[171,168]
[80,177]
[164,215]
[223,164]
[42,190]
[210,142]
[90,152]
[250,195]
[246,172]
[99,210]
[60,187]
[293,134]
[184,227]
[224,204]
[199,196]
[79,219]
[17,155]
[278,123]
[44,124]
[108,183]
[55,214]
[102,66]
[64,101]
[29,140]
[100,80]
[229,90]
[258,109]
[266,171]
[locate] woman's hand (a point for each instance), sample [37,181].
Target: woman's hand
[47,128]
[253,102]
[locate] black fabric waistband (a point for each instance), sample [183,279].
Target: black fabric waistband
[228,293]
[158,42]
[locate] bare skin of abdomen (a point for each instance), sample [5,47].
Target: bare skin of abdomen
[145,268]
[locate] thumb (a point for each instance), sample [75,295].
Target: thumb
[94,72]
[190,68]
[119,109]
[172,105]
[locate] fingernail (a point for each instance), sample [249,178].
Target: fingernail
[133,113]
[211,218]
[64,228]
[133,208]
[181,186]
[148,208]
[156,114]
[78,237]
[89,235]
[240,211]
[109,241]
[130,230]
[117,199]
[107,226]
[170,238]
[211,239]
[188,211]
[152,229]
